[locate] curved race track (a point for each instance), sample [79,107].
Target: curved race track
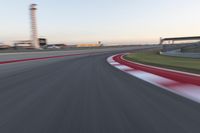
[84,94]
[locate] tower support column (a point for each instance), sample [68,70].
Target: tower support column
[34,34]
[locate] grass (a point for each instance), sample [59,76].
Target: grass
[176,63]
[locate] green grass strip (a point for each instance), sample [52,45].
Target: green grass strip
[176,63]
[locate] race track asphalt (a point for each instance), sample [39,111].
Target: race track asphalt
[84,94]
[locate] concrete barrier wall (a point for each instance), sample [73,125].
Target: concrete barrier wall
[176,50]
[191,49]
[170,47]
[178,53]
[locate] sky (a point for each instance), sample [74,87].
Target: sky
[109,21]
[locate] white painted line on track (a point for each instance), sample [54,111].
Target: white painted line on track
[150,77]
[122,67]
[110,59]
[115,63]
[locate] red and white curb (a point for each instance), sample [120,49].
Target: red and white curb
[188,90]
